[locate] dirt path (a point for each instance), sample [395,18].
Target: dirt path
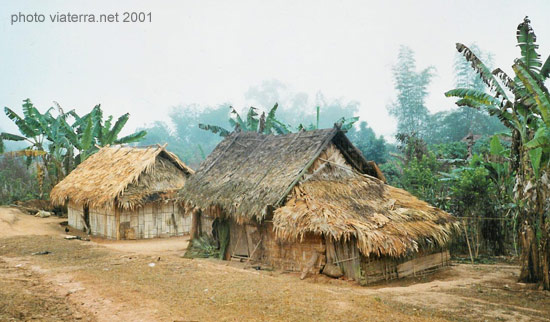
[148,280]
[163,247]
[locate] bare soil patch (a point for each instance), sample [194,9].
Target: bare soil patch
[14,222]
[24,296]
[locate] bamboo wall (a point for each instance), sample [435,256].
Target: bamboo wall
[153,220]
[292,255]
[75,214]
[297,255]
[103,223]
[387,268]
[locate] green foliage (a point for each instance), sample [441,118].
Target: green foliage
[471,116]
[344,123]
[91,131]
[203,247]
[416,169]
[472,189]
[420,178]
[529,111]
[527,39]
[452,126]
[451,151]
[252,123]
[392,172]
[269,124]
[53,141]
[17,182]
[522,104]
[184,134]
[214,129]
[372,147]
[409,108]
[476,194]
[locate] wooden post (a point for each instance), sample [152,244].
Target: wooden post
[468,241]
[195,223]
[117,219]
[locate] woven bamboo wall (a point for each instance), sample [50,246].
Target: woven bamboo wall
[153,220]
[292,255]
[74,216]
[103,223]
[386,268]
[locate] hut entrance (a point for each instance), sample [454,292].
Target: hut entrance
[87,216]
[220,232]
[346,256]
[244,241]
[238,245]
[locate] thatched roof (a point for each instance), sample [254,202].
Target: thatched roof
[315,182]
[346,205]
[129,175]
[248,174]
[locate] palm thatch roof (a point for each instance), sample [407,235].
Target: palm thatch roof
[131,176]
[248,174]
[343,204]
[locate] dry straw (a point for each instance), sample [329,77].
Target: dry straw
[129,175]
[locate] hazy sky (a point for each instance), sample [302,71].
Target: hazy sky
[210,52]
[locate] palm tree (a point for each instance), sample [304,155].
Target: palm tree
[523,105]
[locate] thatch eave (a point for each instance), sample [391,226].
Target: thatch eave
[383,220]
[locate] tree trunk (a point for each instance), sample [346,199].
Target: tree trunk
[529,254]
[545,253]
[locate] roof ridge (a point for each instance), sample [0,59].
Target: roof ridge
[322,147]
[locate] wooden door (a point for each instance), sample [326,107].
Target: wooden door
[346,255]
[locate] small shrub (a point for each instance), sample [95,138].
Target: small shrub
[203,247]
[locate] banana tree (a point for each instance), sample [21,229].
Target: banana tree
[91,131]
[47,142]
[52,140]
[522,104]
[252,123]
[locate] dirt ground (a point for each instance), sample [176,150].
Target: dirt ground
[148,280]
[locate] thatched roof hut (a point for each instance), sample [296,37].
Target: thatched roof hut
[249,175]
[314,183]
[129,175]
[121,179]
